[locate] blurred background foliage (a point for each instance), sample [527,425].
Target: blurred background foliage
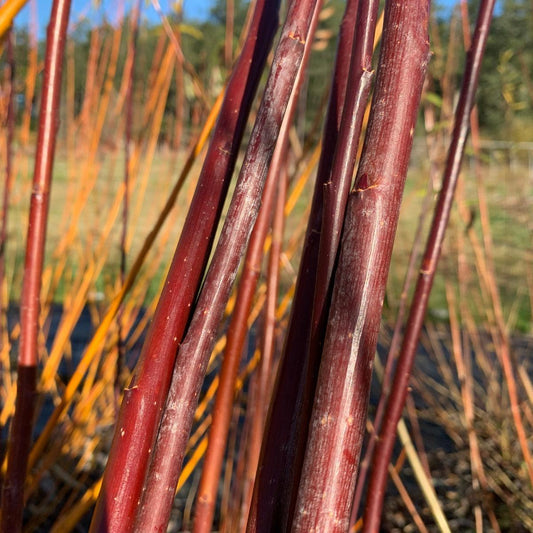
[505,97]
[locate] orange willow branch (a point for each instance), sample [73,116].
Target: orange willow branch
[417,312]
[8,11]
[337,425]
[503,345]
[21,427]
[140,414]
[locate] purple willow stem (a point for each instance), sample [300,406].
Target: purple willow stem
[22,424]
[396,401]
[278,472]
[195,349]
[140,414]
[337,425]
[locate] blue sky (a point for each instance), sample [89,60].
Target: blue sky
[193,9]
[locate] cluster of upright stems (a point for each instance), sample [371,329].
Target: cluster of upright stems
[309,420]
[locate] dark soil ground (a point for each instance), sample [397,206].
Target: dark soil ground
[445,442]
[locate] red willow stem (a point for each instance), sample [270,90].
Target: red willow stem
[140,414]
[256,422]
[278,471]
[22,424]
[394,347]
[337,189]
[92,348]
[230,471]
[396,401]
[269,322]
[249,438]
[195,349]
[263,381]
[233,521]
[238,327]
[337,425]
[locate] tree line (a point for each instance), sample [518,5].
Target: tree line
[505,97]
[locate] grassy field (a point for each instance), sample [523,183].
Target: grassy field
[508,193]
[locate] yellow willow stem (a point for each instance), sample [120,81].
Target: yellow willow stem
[149,108]
[152,144]
[191,464]
[8,12]
[69,321]
[302,180]
[70,520]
